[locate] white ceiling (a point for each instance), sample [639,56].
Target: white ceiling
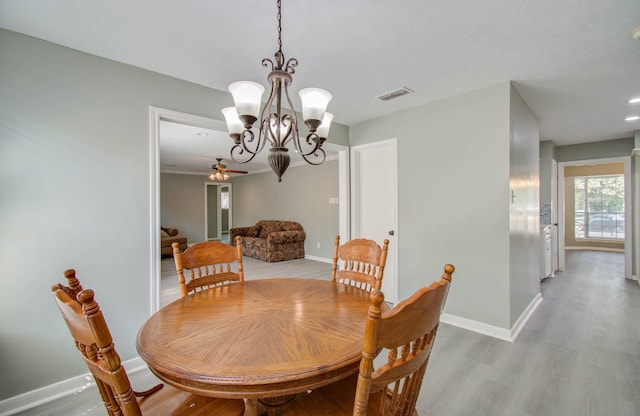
[574,61]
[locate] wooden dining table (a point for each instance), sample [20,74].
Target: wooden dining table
[267,339]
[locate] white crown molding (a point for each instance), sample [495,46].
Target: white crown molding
[635,152]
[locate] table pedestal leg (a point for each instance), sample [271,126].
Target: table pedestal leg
[267,406]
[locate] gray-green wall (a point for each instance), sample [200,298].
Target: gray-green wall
[182,204]
[302,196]
[547,151]
[594,150]
[453,186]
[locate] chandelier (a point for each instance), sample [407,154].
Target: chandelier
[278,127]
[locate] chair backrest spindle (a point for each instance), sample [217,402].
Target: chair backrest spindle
[362,263]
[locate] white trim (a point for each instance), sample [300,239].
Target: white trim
[154,211]
[344,206]
[628,219]
[494,331]
[63,388]
[475,326]
[525,316]
[316,258]
[155,115]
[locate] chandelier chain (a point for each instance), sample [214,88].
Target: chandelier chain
[279,27]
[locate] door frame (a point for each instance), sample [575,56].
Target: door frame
[628,212]
[156,115]
[355,202]
[219,186]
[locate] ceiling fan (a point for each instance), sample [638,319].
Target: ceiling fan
[220,171]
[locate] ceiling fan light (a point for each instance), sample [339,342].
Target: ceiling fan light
[247,96]
[314,103]
[234,125]
[323,129]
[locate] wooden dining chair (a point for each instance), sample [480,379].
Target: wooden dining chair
[93,340]
[209,264]
[362,263]
[406,333]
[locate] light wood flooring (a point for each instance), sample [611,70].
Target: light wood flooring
[579,354]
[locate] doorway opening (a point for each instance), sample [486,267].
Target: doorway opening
[595,199]
[218,211]
[156,116]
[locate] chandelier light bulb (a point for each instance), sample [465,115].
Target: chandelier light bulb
[323,129]
[234,125]
[314,103]
[247,96]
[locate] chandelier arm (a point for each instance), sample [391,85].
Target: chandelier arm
[268,132]
[266,116]
[323,157]
[237,151]
[291,65]
[266,62]
[292,132]
[246,138]
[311,138]
[284,136]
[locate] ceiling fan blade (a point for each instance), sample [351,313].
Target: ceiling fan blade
[235,171]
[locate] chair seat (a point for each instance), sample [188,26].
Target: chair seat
[333,400]
[171,401]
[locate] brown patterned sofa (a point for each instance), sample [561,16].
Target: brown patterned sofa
[271,240]
[167,237]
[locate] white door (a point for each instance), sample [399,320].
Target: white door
[374,196]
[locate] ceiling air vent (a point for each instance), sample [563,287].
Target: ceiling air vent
[395,94]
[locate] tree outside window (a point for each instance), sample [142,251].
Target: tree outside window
[599,207]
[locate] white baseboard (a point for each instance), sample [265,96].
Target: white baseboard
[316,258]
[524,317]
[494,331]
[63,388]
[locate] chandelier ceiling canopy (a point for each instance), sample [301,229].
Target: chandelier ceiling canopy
[277,125]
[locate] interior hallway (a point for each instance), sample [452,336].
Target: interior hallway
[578,355]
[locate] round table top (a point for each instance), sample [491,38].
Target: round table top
[260,338]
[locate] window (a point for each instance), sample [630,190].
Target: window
[224,200]
[599,207]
